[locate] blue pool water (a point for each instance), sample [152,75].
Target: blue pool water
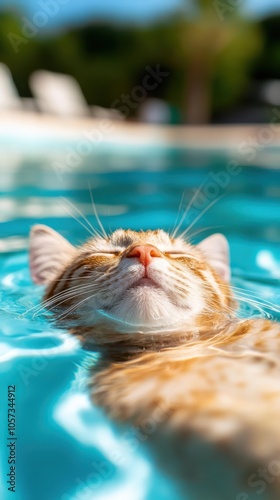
[66,448]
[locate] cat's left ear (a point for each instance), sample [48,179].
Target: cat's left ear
[49,252]
[215,249]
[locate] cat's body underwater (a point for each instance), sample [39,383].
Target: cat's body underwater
[174,354]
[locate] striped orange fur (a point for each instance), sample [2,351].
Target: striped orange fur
[163,315]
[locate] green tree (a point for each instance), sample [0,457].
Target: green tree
[218,47]
[208,53]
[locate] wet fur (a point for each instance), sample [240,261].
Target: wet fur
[213,378]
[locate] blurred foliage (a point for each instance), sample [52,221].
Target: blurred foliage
[268,64]
[211,61]
[218,52]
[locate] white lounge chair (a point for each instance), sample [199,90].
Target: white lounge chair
[61,95]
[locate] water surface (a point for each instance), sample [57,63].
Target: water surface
[66,448]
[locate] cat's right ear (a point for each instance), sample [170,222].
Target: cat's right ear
[216,251]
[49,252]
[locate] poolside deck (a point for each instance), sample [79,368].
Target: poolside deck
[28,126]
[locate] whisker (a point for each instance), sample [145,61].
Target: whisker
[59,302]
[200,215]
[96,214]
[202,230]
[73,289]
[185,213]
[46,303]
[260,304]
[265,304]
[252,296]
[88,228]
[178,212]
[65,313]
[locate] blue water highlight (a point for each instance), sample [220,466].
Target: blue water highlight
[67,449]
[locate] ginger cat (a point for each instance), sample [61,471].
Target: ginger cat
[173,353]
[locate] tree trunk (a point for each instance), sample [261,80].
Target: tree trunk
[198,96]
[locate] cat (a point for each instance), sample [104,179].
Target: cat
[163,316]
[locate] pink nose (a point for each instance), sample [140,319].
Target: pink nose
[144,253]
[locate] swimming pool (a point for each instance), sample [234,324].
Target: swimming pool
[66,449]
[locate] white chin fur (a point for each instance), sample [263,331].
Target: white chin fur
[145,306]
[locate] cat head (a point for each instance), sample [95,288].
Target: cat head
[134,281]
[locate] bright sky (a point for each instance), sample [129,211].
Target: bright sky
[71,11]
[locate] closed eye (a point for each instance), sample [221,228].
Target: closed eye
[177,254]
[113,252]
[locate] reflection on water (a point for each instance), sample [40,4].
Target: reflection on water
[64,440]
